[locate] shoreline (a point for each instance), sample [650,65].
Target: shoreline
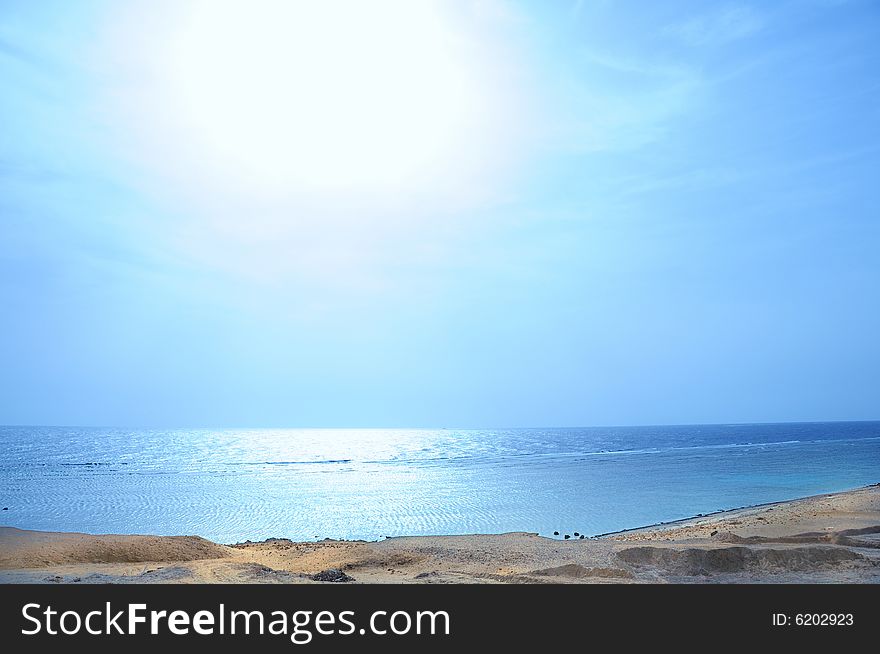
[827,538]
[652,527]
[661,526]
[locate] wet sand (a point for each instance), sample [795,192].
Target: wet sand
[823,539]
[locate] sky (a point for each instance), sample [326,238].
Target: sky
[472,213]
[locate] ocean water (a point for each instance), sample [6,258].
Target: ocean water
[235,484]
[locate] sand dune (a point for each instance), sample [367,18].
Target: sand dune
[827,538]
[692,561]
[31,549]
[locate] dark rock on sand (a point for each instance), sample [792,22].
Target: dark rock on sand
[333,575]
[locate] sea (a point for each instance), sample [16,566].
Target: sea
[232,485]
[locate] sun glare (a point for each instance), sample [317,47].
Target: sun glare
[330,94]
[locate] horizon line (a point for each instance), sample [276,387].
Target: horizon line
[444,428]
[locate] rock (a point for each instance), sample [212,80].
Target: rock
[576,534]
[332,574]
[555,533]
[567,536]
[581,536]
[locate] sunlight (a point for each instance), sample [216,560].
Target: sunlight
[335,94]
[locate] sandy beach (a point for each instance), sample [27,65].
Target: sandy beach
[822,539]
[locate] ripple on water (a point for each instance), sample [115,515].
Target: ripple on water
[232,485]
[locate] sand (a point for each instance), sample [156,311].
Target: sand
[823,539]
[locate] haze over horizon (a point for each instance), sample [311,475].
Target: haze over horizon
[475,213]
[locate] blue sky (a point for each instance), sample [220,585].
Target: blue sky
[461,214]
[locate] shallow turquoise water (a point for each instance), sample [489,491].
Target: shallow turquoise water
[233,484]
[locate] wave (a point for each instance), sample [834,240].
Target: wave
[621,452]
[291,463]
[452,458]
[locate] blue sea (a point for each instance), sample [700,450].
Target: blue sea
[230,485]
